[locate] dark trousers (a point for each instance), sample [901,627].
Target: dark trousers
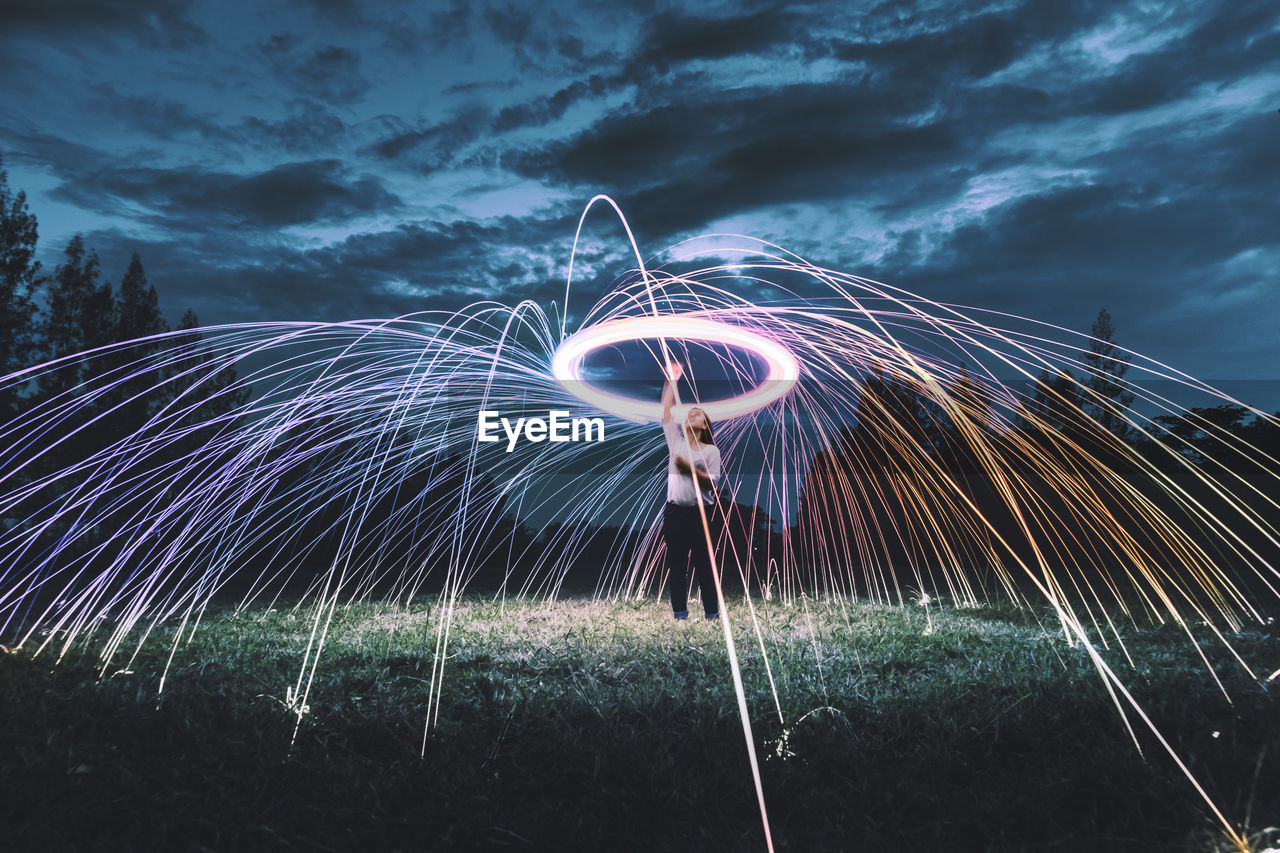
[686,545]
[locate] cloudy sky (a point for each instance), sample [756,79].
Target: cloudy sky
[334,159]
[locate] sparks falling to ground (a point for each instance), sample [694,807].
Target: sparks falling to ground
[915,445]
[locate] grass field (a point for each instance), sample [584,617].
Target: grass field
[588,725]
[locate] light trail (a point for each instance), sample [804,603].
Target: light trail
[566,365]
[900,441]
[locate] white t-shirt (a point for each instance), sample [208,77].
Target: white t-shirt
[680,487]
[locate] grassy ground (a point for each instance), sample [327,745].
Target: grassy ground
[592,725]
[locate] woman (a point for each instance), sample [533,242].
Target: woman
[693,472]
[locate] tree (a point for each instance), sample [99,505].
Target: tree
[19,276]
[137,317]
[98,322]
[79,308]
[214,393]
[1105,365]
[1056,402]
[138,310]
[1197,433]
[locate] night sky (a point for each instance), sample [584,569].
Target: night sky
[331,160]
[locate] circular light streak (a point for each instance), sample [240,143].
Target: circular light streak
[566,365]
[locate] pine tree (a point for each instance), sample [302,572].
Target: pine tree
[74,291]
[217,394]
[1105,364]
[138,310]
[19,276]
[98,322]
[137,317]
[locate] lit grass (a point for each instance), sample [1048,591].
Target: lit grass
[579,723]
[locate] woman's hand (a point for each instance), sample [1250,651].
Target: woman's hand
[674,371]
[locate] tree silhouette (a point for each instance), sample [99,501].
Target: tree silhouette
[137,317]
[1105,366]
[19,276]
[70,325]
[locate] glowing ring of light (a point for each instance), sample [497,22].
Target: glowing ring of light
[566,365]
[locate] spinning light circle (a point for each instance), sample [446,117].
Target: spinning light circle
[566,365]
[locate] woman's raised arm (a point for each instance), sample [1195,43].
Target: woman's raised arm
[674,372]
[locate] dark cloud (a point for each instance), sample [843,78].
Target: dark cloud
[330,73]
[975,48]
[905,130]
[511,23]
[160,118]
[673,37]
[1137,244]
[670,39]
[681,165]
[311,127]
[1226,167]
[163,24]
[1238,37]
[1141,84]
[429,146]
[544,110]
[474,86]
[1110,231]
[529,33]
[449,26]
[572,48]
[62,157]
[346,12]
[290,194]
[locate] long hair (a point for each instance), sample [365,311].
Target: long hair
[703,433]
